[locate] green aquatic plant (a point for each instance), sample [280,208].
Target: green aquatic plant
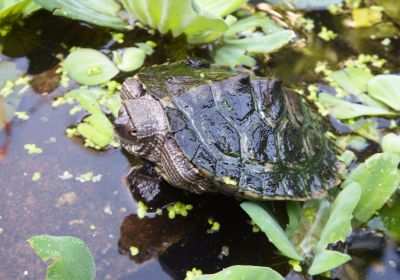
[379,178]
[99,12]
[12,10]
[71,257]
[317,220]
[242,272]
[201,21]
[96,129]
[89,67]
[240,42]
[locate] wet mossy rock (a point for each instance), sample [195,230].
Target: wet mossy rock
[214,129]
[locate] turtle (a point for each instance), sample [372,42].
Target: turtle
[206,128]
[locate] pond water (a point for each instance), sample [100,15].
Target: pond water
[103,213]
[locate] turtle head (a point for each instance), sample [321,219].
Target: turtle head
[141,121]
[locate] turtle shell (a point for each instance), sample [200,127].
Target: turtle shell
[247,134]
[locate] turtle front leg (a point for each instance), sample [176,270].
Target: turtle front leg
[143,185]
[147,186]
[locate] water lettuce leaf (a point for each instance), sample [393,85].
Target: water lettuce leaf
[236,51]
[89,67]
[293,209]
[251,23]
[390,217]
[220,7]
[379,178]
[243,272]
[342,109]
[386,88]
[337,228]
[87,98]
[183,17]
[131,59]
[352,79]
[12,9]
[390,143]
[271,228]
[99,12]
[71,256]
[326,261]
[97,130]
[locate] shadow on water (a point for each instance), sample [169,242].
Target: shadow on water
[102,213]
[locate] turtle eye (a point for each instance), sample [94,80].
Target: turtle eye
[133,131]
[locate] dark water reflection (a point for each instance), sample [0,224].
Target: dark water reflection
[103,213]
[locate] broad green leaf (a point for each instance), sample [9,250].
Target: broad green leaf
[90,100]
[386,88]
[367,128]
[179,17]
[263,44]
[293,209]
[271,228]
[89,67]
[113,104]
[338,226]
[391,143]
[355,80]
[233,56]
[379,178]
[390,216]
[220,7]
[235,51]
[354,142]
[130,60]
[342,109]
[71,256]
[31,8]
[327,260]
[11,9]
[243,272]
[97,131]
[87,98]
[99,12]
[251,23]
[314,215]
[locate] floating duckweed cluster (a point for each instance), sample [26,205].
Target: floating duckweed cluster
[36,176]
[133,250]
[215,226]
[255,228]
[22,115]
[88,177]
[33,149]
[7,89]
[229,181]
[66,175]
[192,274]
[178,208]
[142,210]
[118,37]
[326,34]
[296,265]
